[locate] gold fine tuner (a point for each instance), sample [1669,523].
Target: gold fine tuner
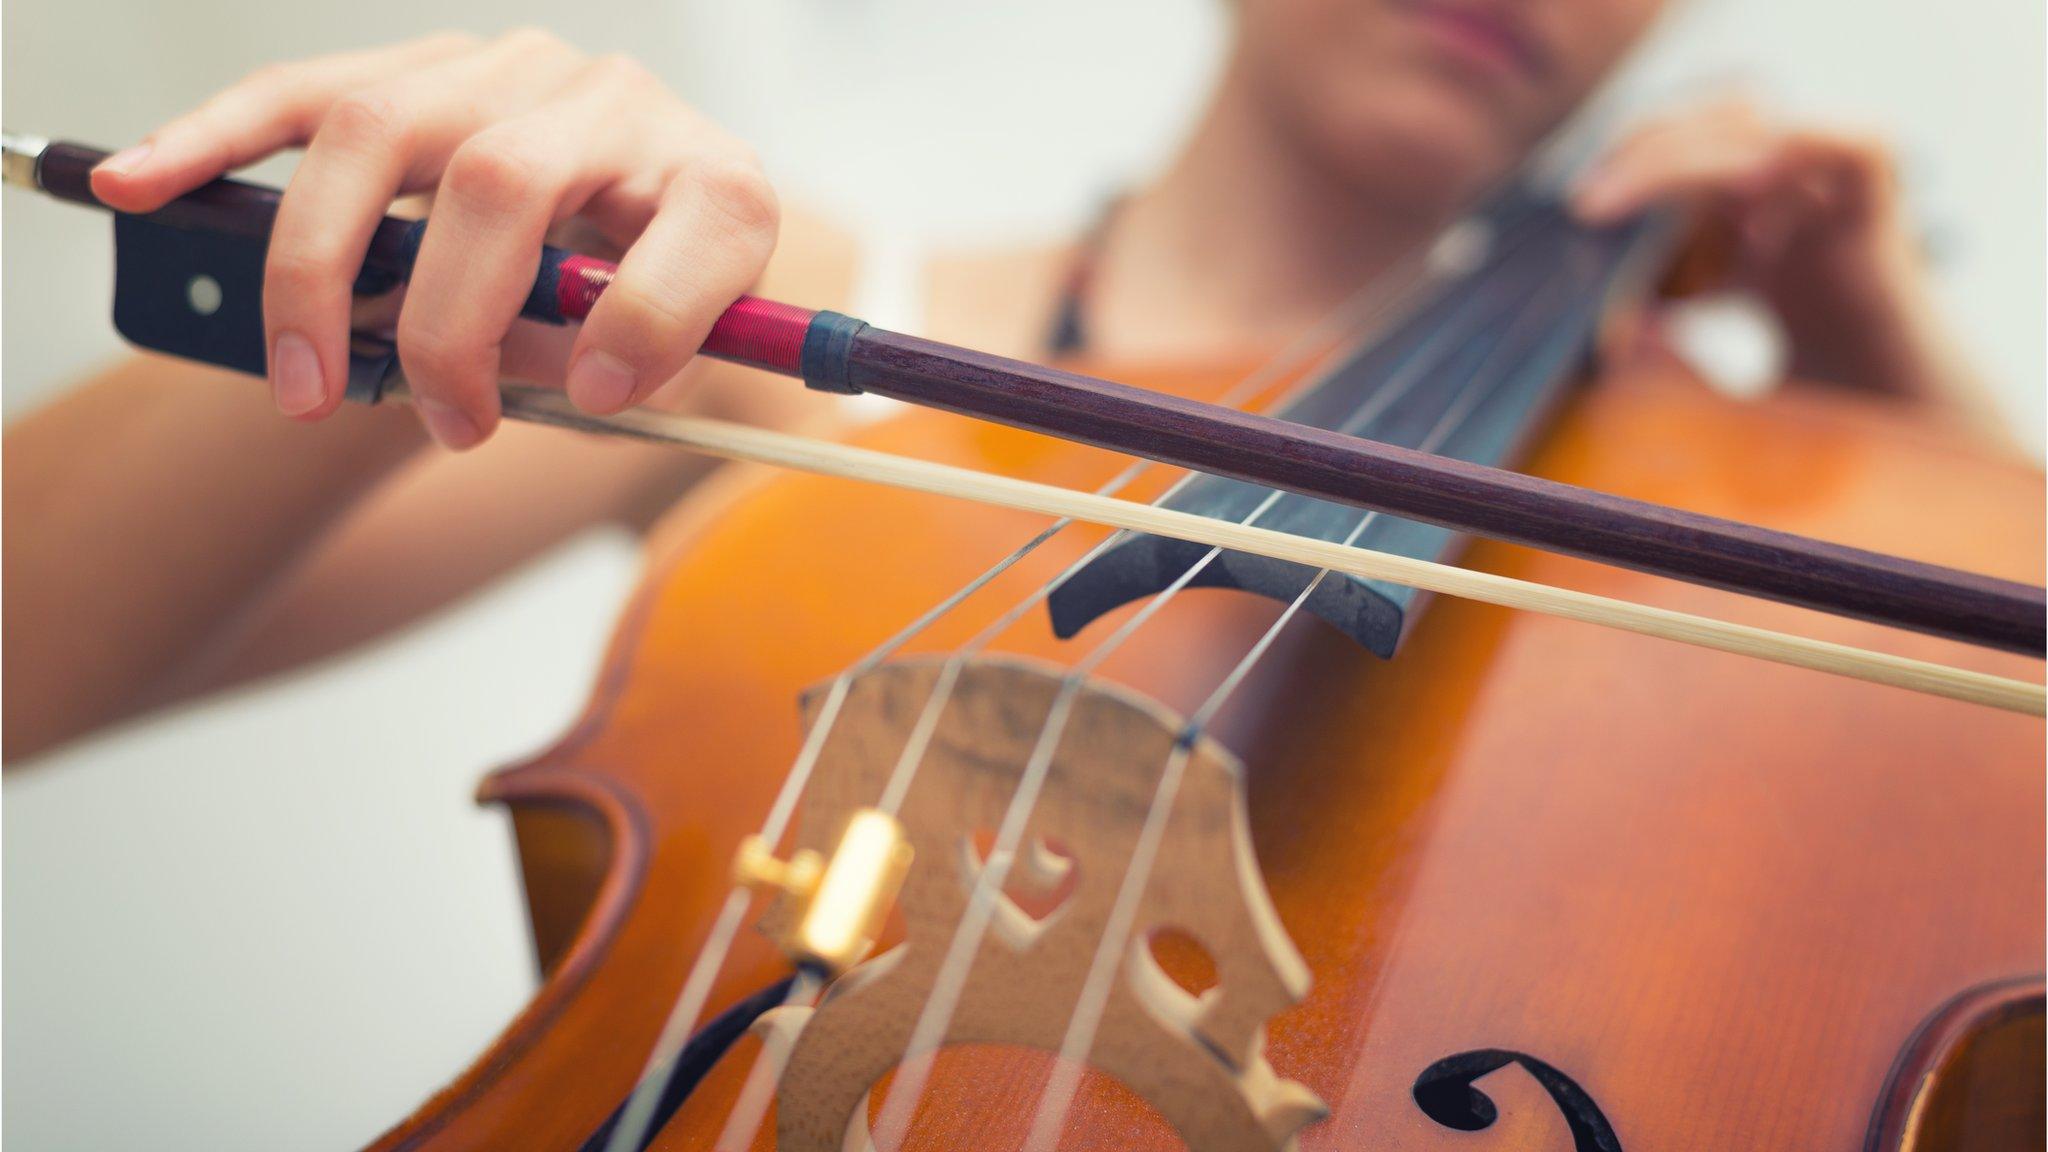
[837,906]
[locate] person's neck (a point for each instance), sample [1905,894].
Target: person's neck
[1243,239]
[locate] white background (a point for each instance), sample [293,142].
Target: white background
[276,921]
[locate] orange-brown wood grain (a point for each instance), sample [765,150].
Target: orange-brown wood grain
[1720,896]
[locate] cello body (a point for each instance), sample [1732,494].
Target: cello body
[1556,886]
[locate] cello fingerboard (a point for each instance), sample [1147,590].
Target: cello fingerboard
[1473,371]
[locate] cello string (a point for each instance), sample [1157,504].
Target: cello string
[950,983]
[921,1051]
[1441,342]
[1096,984]
[684,1015]
[1498,249]
[1077,1044]
[743,1121]
[750,1109]
[1415,278]
[1050,1117]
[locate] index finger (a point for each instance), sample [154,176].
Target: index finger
[271,109]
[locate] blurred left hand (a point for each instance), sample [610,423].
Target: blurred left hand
[1822,237]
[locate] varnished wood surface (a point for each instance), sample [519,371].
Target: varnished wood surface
[1719,896]
[1971,1079]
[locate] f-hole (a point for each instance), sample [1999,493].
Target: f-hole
[1446,1094]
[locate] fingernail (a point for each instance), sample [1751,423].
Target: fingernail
[295,375]
[1595,199]
[449,424]
[127,160]
[600,382]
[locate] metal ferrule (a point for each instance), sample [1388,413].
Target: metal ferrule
[19,156]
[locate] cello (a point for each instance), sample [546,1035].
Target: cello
[1569,886]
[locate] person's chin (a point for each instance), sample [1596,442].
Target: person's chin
[1426,146]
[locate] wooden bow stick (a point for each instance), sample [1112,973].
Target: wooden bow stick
[219,232]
